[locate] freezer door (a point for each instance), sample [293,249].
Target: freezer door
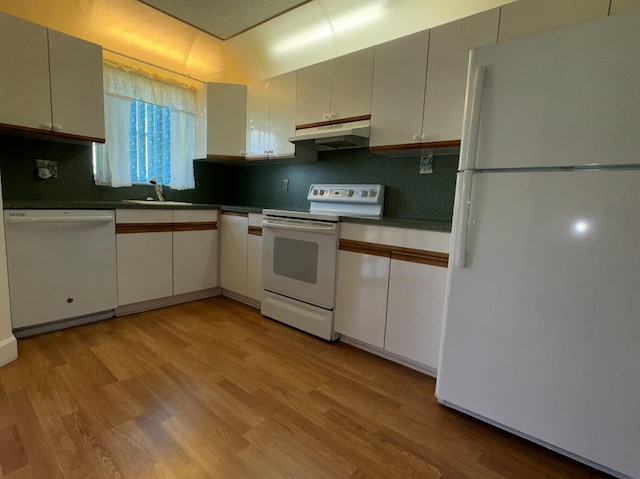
[561,98]
[542,325]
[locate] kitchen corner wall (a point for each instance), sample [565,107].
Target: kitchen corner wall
[408,194]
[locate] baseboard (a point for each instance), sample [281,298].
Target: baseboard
[254,303]
[390,356]
[168,301]
[8,350]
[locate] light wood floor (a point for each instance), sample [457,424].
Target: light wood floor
[210,389]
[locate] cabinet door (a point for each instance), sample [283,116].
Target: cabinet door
[233,252]
[144,259]
[351,84]
[77,92]
[226,120]
[361,296]
[24,74]
[258,119]
[398,90]
[519,19]
[449,47]
[282,114]
[415,311]
[313,99]
[254,266]
[195,251]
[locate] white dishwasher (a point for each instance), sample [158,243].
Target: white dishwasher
[62,268]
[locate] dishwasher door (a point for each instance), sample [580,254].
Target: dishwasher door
[61,264]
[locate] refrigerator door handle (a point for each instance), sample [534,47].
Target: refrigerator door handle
[462,226]
[472,122]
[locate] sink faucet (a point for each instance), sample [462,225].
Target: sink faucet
[158,189]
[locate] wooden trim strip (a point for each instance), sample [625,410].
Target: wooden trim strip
[396,252]
[125,228]
[226,157]
[234,213]
[429,257]
[195,226]
[71,136]
[255,230]
[333,122]
[47,133]
[364,248]
[416,146]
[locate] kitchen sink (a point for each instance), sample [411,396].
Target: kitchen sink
[158,203]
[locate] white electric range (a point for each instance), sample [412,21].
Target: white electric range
[299,251]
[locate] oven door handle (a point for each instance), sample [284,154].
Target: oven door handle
[287,226]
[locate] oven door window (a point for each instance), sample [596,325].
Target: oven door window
[295,259]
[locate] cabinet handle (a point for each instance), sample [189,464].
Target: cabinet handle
[46,126]
[326,116]
[57,127]
[424,137]
[416,137]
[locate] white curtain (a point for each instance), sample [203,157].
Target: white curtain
[112,166]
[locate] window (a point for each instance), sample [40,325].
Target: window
[149,143]
[149,132]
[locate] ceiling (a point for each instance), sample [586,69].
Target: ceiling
[224,18]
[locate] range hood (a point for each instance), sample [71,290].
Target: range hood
[335,136]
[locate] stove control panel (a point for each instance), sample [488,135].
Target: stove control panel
[359,194]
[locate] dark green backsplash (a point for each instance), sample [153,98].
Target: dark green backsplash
[408,194]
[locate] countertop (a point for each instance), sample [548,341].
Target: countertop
[410,223]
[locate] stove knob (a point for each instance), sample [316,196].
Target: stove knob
[322,192]
[373,193]
[315,193]
[349,192]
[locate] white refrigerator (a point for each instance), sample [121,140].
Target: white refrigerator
[542,319]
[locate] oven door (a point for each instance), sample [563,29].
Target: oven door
[299,259]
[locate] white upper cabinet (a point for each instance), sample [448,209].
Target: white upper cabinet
[336,89]
[398,90]
[420,80]
[77,92]
[351,85]
[50,81]
[313,99]
[226,117]
[449,47]
[271,112]
[526,17]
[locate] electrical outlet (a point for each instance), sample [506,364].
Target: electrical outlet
[46,169]
[426,164]
[285,184]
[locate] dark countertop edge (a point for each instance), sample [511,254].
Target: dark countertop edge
[98,205]
[242,209]
[409,223]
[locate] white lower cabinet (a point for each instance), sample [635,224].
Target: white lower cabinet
[241,254]
[165,253]
[390,291]
[195,250]
[361,296]
[233,251]
[254,257]
[144,255]
[415,309]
